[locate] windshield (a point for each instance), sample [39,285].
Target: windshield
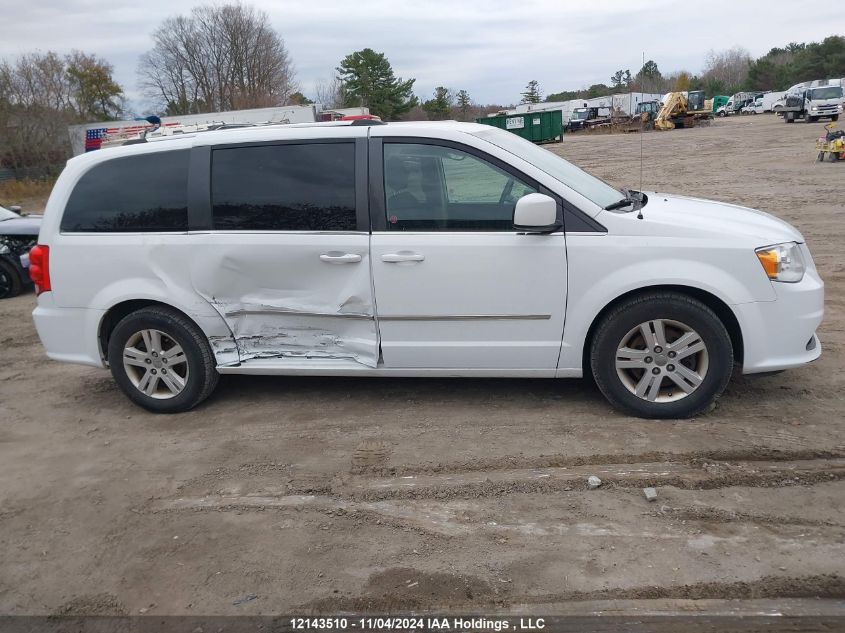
[580,115]
[577,179]
[5,214]
[831,92]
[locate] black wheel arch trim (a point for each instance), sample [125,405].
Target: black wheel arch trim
[723,311]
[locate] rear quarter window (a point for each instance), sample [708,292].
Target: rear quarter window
[144,193]
[286,187]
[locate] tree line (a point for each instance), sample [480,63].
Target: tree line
[229,57]
[729,71]
[41,94]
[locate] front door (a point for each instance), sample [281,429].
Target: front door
[286,263]
[456,287]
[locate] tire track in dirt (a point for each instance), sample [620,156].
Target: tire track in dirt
[817,586]
[696,471]
[693,476]
[406,588]
[753,453]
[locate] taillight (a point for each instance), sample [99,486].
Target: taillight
[39,268]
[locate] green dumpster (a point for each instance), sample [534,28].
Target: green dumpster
[539,127]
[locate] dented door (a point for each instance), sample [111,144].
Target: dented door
[285,263]
[282,299]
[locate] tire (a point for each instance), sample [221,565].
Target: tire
[662,398]
[195,370]
[809,119]
[834,118]
[11,283]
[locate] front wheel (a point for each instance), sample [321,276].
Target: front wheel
[161,360]
[834,118]
[661,355]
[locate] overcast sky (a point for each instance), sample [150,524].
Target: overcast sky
[491,48]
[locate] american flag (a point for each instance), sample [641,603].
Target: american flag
[94,138]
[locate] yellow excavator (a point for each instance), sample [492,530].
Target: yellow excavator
[681,109]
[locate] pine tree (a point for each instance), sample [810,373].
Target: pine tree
[368,80]
[532,92]
[439,107]
[464,103]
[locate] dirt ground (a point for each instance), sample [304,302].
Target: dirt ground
[327,494]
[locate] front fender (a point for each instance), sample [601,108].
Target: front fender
[603,268]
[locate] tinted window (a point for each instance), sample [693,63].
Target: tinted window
[309,187]
[431,188]
[148,192]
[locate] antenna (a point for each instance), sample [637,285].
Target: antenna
[642,123]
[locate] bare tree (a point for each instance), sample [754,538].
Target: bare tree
[224,57]
[726,70]
[329,93]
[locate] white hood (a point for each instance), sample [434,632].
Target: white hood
[681,215]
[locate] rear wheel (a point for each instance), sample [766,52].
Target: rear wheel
[161,360]
[10,281]
[661,355]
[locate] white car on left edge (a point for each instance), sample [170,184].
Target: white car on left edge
[408,249]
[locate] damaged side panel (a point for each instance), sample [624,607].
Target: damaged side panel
[281,300]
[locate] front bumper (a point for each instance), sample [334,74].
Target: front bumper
[781,334]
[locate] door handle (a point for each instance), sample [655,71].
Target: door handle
[340,258]
[403,256]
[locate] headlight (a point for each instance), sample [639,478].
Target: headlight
[782,262]
[815,108]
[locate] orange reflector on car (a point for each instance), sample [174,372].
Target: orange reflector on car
[770,262]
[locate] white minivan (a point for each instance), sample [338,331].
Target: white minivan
[408,249]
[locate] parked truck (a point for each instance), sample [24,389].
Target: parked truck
[812,103]
[718,102]
[582,118]
[737,102]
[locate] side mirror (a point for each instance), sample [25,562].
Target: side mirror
[535,213]
[15,208]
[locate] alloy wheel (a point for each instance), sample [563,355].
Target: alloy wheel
[155,364]
[662,360]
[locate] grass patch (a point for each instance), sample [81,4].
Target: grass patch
[30,194]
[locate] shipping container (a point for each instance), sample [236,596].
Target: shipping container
[538,127]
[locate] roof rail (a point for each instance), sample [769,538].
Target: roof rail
[216,127]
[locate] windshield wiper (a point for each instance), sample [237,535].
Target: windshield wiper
[624,202]
[635,199]
[629,199]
